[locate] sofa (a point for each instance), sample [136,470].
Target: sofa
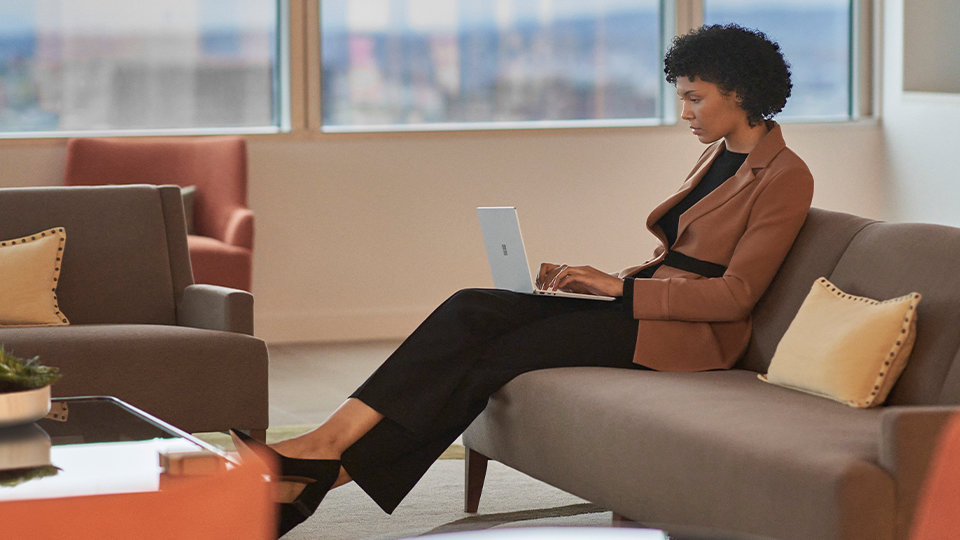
[138,328]
[723,454]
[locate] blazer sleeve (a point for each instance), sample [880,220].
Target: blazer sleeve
[773,222]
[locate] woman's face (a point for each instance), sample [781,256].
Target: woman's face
[711,114]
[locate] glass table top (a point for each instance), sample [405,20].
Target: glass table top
[89,446]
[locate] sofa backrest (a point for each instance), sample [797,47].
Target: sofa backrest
[878,260]
[125,259]
[886,260]
[816,251]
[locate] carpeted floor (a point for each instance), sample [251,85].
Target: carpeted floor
[435,505]
[510,499]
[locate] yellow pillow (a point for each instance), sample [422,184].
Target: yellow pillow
[847,348]
[29,273]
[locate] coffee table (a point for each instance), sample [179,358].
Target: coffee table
[97,445]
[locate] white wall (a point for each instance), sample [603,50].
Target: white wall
[360,236]
[922,169]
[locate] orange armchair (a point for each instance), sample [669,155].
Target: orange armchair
[221,248]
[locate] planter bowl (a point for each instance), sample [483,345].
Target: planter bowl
[24,407]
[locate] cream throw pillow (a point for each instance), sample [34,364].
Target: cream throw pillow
[29,273]
[847,348]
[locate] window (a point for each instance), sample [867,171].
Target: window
[815,36]
[89,65]
[267,66]
[418,63]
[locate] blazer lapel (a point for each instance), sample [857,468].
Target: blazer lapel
[691,182]
[771,145]
[744,176]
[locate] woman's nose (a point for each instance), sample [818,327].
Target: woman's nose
[685,112]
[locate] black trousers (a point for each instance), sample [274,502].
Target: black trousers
[439,380]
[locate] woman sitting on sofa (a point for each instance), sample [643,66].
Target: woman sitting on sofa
[723,236]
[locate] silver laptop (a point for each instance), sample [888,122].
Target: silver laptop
[508,260]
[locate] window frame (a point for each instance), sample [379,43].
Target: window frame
[300,73]
[280,108]
[679,15]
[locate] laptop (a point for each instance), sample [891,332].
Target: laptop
[508,260]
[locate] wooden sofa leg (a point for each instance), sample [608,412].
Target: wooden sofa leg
[258,434]
[620,521]
[475,470]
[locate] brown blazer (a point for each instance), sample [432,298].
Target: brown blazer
[691,323]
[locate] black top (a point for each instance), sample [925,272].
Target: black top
[723,167]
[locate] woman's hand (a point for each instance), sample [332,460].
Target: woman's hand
[578,279]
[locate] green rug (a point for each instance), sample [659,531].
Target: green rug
[274,434]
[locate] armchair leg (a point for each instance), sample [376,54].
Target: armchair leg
[475,470]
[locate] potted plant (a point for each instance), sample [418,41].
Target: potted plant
[24,388]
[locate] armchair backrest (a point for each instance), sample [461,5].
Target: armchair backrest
[217,166]
[125,259]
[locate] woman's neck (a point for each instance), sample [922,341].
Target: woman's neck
[745,140]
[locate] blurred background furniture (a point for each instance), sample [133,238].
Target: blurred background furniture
[221,227]
[139,330]
[94,467]
[224,506]
[937,517]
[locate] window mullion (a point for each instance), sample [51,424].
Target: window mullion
[313,66]
[864,49]
[689,15]
[298,65]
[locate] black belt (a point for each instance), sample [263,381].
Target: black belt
[689,264]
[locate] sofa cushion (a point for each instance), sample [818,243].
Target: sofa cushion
[168,371]
[847,348]
[29,275]
[718,449]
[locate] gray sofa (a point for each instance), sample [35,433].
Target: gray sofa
[139,328]
[724,454]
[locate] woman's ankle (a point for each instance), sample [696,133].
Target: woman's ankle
[308,446]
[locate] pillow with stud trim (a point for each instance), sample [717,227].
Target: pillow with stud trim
[847,348]
[29,275]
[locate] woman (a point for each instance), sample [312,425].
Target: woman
[723,236]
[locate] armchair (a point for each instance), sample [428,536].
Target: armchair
[220,232]
[139,329]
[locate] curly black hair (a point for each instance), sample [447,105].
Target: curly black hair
[736,59]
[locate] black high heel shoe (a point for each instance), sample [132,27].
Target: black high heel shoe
[320,475]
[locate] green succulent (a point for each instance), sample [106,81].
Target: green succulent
[19,374]
[13,478]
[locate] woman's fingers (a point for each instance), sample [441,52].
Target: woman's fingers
[560,274]
[545,274]
[586,279]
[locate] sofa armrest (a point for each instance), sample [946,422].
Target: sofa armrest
[216,308]
[239,230]
[908,438]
